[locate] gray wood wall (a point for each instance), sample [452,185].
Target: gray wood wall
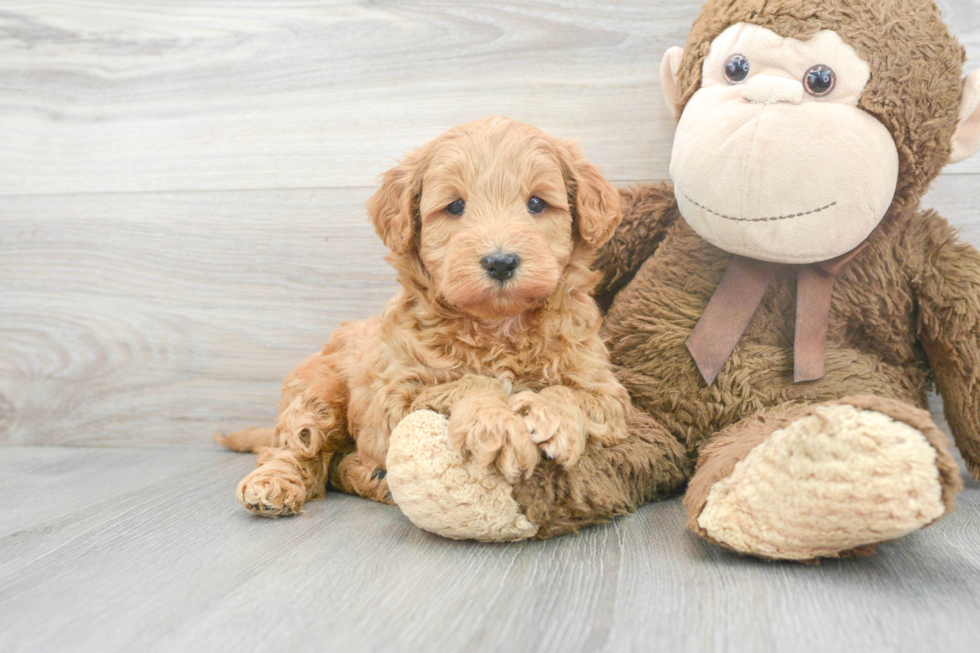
[181,182]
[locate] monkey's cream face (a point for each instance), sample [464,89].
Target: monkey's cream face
[772,158]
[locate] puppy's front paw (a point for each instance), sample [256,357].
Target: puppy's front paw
[270,495]
[491,433]
[555,426]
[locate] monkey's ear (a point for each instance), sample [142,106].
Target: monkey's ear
[392,207]
[669,66]
[596,201]
[966,138]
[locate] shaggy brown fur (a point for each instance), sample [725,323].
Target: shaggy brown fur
[914,290]
[608,481]
[905,314]
[517,363]
[876,341]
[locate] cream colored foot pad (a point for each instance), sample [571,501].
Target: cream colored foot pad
[829,482]
[442,493]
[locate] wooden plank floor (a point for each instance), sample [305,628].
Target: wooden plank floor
[181,222]
[146,550]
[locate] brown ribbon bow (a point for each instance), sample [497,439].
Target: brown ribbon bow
[737,298]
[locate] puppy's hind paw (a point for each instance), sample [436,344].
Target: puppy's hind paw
[270,495]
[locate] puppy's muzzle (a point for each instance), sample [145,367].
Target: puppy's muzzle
[500,266]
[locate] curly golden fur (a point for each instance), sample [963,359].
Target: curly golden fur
[517,363]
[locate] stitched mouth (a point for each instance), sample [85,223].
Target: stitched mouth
[788,216]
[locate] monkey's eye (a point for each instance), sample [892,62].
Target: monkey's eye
[736,69]
[819,81]
[456,208]
[536,205]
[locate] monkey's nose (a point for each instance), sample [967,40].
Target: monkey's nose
[770,89]
[500,266]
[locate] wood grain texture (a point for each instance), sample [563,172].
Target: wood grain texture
[155,319]
[174,564]
[116,95]
[151,319]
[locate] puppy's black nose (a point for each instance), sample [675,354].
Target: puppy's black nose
[500,266]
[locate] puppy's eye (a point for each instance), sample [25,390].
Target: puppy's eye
[536,205]
[456,208]
[736,69]
[819,80]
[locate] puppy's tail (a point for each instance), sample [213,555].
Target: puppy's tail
[247,440]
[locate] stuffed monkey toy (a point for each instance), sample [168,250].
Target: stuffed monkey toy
[782,310]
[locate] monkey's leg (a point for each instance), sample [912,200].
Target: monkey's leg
[609,481]
[804,482]
[445,493]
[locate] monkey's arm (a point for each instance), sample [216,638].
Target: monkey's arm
[647,212]
[947,284]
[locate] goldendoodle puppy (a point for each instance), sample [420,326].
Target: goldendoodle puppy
[492,227]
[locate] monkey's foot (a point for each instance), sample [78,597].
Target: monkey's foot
[822,481]
[446,494]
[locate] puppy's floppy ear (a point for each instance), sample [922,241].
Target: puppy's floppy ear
[392,208]
[595,201]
